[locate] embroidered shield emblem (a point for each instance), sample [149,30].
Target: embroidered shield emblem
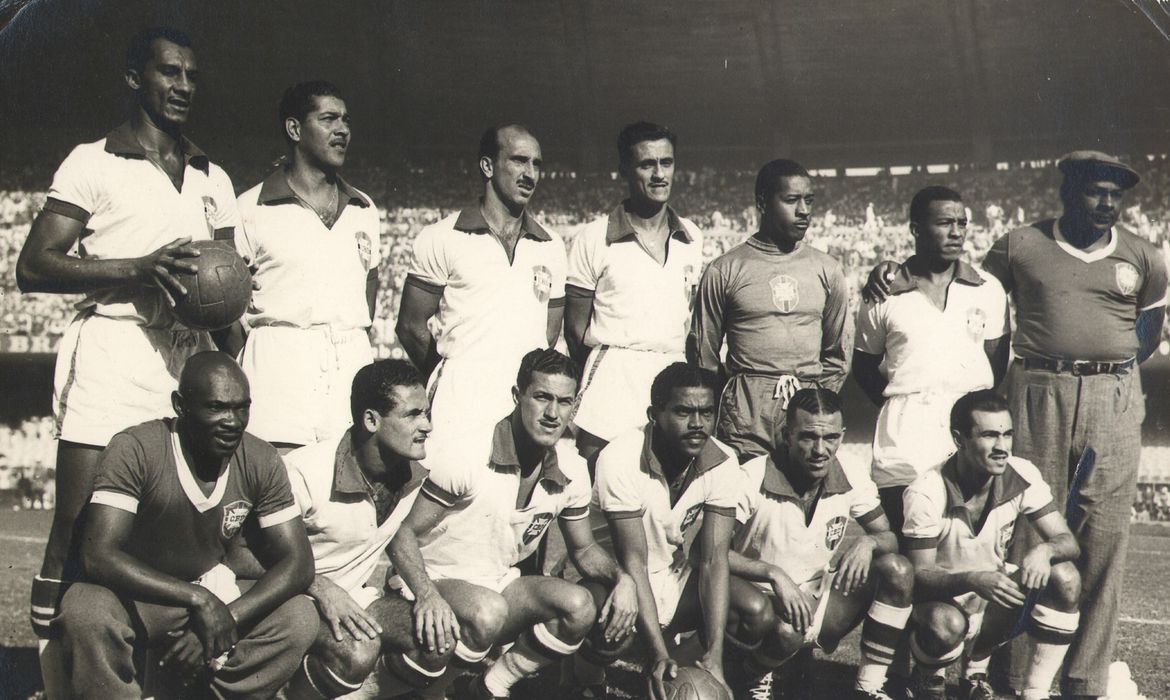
[691,516]
[536,528]
[210,210]
[1127,277]
[1005,536]
[976,323]
[834,532]
[233,517]
[365,248]
[541,282]
[785,293]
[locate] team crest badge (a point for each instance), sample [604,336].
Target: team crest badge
[785,293]
[536,528]
[365,248]
[691,516]
[834,532]
[541,282]
[976,323]
[1127,277]
[233,517]
[1005,536]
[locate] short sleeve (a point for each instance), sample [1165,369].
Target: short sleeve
[1036,501]
[1153,293]
[76,181]
[923,522]
[748,501]
[275,503]
[577,498]
[449,481]
[864,500]
[583,261]
[998,262]
[121,474]
[618,492]
[302,494]
[226,214]
[871,328]
[428,261]
[723,488]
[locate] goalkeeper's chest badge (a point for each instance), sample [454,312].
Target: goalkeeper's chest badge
[1127,277]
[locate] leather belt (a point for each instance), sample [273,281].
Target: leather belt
[1077,368]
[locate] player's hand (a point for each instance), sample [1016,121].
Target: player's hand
[344,615]
[621,609]
[660,670]
[213,623]
[185,657]
[160,267]
[1036,568]
[853,565]
[435,625]
[796,607]
[877,285]
[999,588]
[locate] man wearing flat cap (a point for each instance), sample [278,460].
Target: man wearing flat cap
[1090,301]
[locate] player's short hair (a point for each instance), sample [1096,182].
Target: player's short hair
[814,401]
[634,134]
[298,100]
[963,412]
[920,205]
[768,179]
[545,361]
[141,49]
[373,386]
[681,375]
[489,142]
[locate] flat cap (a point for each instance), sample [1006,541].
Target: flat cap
[1098,165]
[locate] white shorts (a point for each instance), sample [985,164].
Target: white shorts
[364,595]
[493,582]
[468,397]
[667,586]
[113,374]
[301,380]
[912,435]
[615,389]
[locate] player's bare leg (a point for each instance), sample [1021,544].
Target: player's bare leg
[481,613]
[549,618]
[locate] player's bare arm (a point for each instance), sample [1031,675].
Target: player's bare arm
[796,606]
[45,264]
[556,316]
[435,625]
[998,351]
[629,540]
[877,284]
[106,563]
[1059,545]
[855,560]
[620,611]
[341,612]
[417,306]
[867,371]
[578,313]
[934,583]
[288,562]
[714,543]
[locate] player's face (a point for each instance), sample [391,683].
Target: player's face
[813,441]
[214,412]
[515,172]
[788,212]
[989,443]
[687,420]
[325,132]
[166,84]
[650,172]
[1098,203]
[943,232]
[545,407]
[402,432]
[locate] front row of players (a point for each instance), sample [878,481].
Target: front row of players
[749,554]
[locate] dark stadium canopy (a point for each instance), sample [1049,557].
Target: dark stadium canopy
[865,82]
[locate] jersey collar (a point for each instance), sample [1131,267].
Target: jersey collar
[1082,255]
[471,221]
[778,486]
[504,456]
[122,142]
[904,281]
[187,481]
[621,227]
[1004,488]
[709,458]
[276,190]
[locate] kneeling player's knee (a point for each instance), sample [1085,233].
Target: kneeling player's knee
[86,611]
[418,669]
[941,629]
[896,573]
[1064,586]
[752,613]
[579,611]
[350,659]
[485,620]
[600,651]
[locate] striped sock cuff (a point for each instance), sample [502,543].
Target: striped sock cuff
[882,632]
[1053,626]
[468,655]
[44,604]
[931,661]
[544,642]
[325,681]
[410,671]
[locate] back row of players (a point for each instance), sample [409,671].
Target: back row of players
[489,284]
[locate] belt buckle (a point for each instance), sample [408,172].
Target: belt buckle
[1081,368]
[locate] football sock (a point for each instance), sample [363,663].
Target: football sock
[535,649]
[880,634]
[1050,631]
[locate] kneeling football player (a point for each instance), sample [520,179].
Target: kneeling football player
[669,492]
[483,511]
[960,519]
[795,505]
[353,493]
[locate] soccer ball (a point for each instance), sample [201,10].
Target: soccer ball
[219,293]
[693,683]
